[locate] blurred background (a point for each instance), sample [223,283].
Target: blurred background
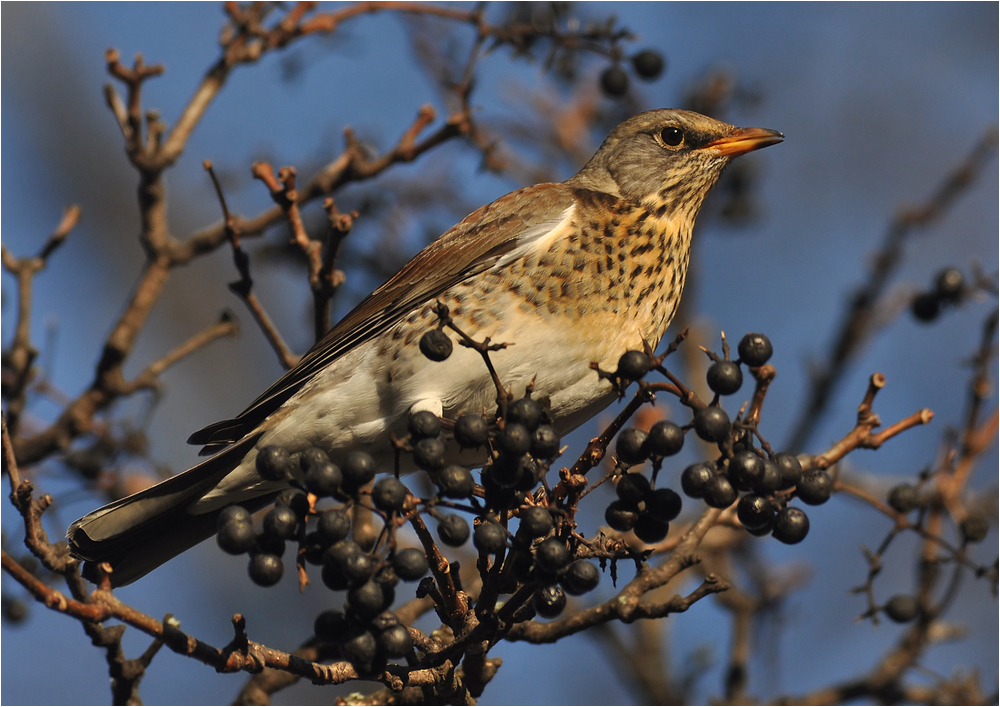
[878,102]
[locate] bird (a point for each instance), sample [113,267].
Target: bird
[569,274]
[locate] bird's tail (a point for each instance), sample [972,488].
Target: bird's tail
[137,534]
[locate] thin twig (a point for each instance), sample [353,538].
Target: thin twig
[857,326]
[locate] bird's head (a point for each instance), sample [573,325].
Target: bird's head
[668,156]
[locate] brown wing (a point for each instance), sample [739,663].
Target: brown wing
[471,247]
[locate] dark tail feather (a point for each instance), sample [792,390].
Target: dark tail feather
[139,533]
[217,435]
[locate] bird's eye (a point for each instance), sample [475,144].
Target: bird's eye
[672,136]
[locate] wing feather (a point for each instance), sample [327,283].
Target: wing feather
[492,236]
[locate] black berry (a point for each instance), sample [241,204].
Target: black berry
[664,439]
[471,431]
[294,499]
[268,545]
[333,525]
[274,463]
[536,521]
[630,446]
[428,453]
[265,569]
[515,439]
[632,488]
[525,411]
[621,516]
[342,551]
[315,549]
[233,514]
[696,478]
[789,468]
[650,529]
[815,488]
[975,527]
[359,469]
[384,621]
[424,424]
[791,526]
[719,492]
[614,81]
[359,647]
[389,494]
[712,424]
[633,365]
[755,350]
[489,537]
[761,531]
[549,601]
[581,576]
[545,443]
[323,478]
[747,469]
[410,564]
[771,479]
[724,377]
[902,608]
[311,457]
[552,555]
[754,512]
[506,471]
[455,482]
[236,538]
[358,568]
[333,576]
[904,498]
[664,503]
[281,522]
[926,306]
[436,345]
[235,530]
[366,600]
[529,475]
[453,530]
[395,642]
[648,64]
[330,625]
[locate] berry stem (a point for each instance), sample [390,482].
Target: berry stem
[455,606]
[763,376]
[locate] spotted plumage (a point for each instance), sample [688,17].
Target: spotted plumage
[567,274]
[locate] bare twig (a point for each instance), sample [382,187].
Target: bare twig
[858,322]
[861,436]
[21,354]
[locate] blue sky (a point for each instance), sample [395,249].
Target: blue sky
[878,101]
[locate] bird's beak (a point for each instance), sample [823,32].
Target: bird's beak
[744,140]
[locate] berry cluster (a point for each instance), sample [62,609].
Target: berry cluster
[647,64]
[520,443]
[948,290]
[368,645]
[366,632]
[523,530]
[767,481]
[642,509]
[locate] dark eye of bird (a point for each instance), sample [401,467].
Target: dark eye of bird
[672,136]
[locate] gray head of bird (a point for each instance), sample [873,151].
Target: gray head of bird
[667,155]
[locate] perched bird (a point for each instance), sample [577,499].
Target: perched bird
[568,274]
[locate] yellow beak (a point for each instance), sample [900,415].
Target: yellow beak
[744,140]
